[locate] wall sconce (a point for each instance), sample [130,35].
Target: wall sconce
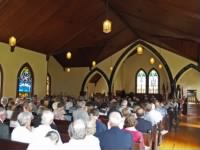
[152,60]
[12,43]
[68,69]
[160,66]
[140,50]
[111,68]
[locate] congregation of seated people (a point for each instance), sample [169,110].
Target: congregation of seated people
[96,123]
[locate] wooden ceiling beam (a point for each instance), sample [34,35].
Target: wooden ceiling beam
[61,48]
[41,22]
[181,34]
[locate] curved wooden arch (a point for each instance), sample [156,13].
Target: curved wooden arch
[89,74]
[184,69]
[18,74]
[124,55]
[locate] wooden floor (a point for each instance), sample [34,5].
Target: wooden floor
[187,135]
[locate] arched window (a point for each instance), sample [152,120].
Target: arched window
[48,90]
[153,82]
[25,81]
[1,81]
[141,81]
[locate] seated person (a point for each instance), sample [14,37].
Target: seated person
[115,138]
[137,137]
[23,132]
[4,129]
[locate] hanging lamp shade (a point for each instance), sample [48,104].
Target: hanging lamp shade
[93,63]
[12,41]
[68,55]
[140,50]
[107,26]
[152,60]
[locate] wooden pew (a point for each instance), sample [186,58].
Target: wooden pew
[136,146]
[154,138]
[64,137]
[147,139]
[12,145]
[62,125]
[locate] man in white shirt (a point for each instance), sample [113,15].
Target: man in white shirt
[23,133]
[44,128]
[152,115]
[77,132]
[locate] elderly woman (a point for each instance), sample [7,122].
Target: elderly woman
[90,131]
[130,123]
[23,133]
[78,137]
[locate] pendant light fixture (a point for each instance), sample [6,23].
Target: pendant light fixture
[152,60]
[12,43]
[107,23]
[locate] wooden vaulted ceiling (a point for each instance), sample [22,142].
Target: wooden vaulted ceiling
[54,27]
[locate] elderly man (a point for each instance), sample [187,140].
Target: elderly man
[4,129]
[44,128]
[78,131]
[115,138]
[23,133]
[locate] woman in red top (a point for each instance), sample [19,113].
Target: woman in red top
[130,123]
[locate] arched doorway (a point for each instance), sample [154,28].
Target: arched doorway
[188,82]
[95,83]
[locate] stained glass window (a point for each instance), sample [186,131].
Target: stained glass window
[25,82]
[141,82]
[48,90]
[153,82]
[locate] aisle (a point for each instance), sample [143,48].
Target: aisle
[187,135]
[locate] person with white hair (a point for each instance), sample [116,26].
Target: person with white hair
[115,138]
[49,142]
[4,102]
[4,129]
[23,132]
[46,120]
[78,131]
